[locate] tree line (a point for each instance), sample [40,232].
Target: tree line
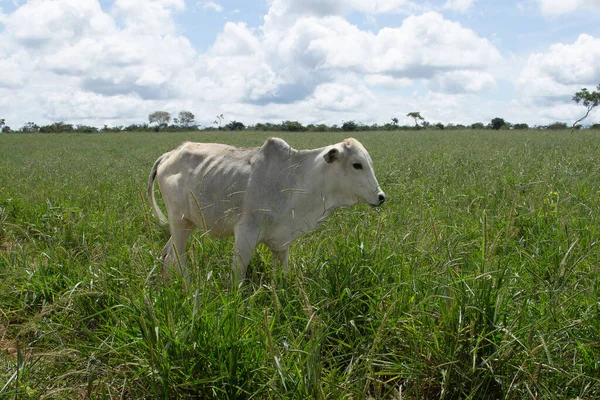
[186,121]
[162,122]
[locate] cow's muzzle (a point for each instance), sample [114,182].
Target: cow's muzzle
[381,199]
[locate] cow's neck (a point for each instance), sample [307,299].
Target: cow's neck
[318,198]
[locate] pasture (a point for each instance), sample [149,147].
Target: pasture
[479,278]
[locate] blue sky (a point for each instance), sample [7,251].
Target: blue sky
[113,62]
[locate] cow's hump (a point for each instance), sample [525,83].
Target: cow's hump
[276,145]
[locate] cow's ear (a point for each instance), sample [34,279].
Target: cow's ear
[331,155]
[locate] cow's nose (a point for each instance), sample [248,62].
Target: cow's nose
[382,198]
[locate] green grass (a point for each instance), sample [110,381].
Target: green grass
[479,279]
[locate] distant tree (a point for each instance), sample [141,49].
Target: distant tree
[186,119]
[349,126]
[321,128]
[497,123]
[117,128]
[556,126]
[362,127]
[477,125]
[161,118]
[595,126]
[3,127]
[589,101]
[235,126]
[395,121]
[30,127]
[417,116]
[86,129]
[137,128]
[291,126]
[219,120]
[439,125]
[521,126]
[57,127]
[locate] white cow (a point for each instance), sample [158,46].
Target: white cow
[270,194]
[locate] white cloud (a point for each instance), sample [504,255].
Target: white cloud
[387,81]
[460,6]
[549,80]
[210,5]
[148,17]
[421,48]
[427,44]
[74,105]
[81,64]
[384,6]
[324,43]
[559,7]
[563,70]
[177,4]
[283,13]
[74,51]
[42,25]
[13,71]
[463,81]
[235,40]
[316,66]
[150,76]
[341,97]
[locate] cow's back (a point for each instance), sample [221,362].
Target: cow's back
[206,183]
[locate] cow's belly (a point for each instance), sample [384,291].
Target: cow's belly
[213,214]
[283,230]
[214,207]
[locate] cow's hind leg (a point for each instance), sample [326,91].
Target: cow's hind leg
[165,251]
[174,251]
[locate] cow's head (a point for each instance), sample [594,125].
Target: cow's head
[350,174]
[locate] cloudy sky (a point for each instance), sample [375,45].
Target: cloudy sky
[113,62]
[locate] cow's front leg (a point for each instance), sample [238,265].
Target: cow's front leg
[280,256]
[245,243]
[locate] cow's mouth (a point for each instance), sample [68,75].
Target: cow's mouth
[382,198]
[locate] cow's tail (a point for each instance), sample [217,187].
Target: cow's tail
[162,219]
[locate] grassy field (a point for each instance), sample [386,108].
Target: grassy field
[479,279]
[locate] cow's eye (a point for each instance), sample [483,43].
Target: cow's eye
[357,165]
